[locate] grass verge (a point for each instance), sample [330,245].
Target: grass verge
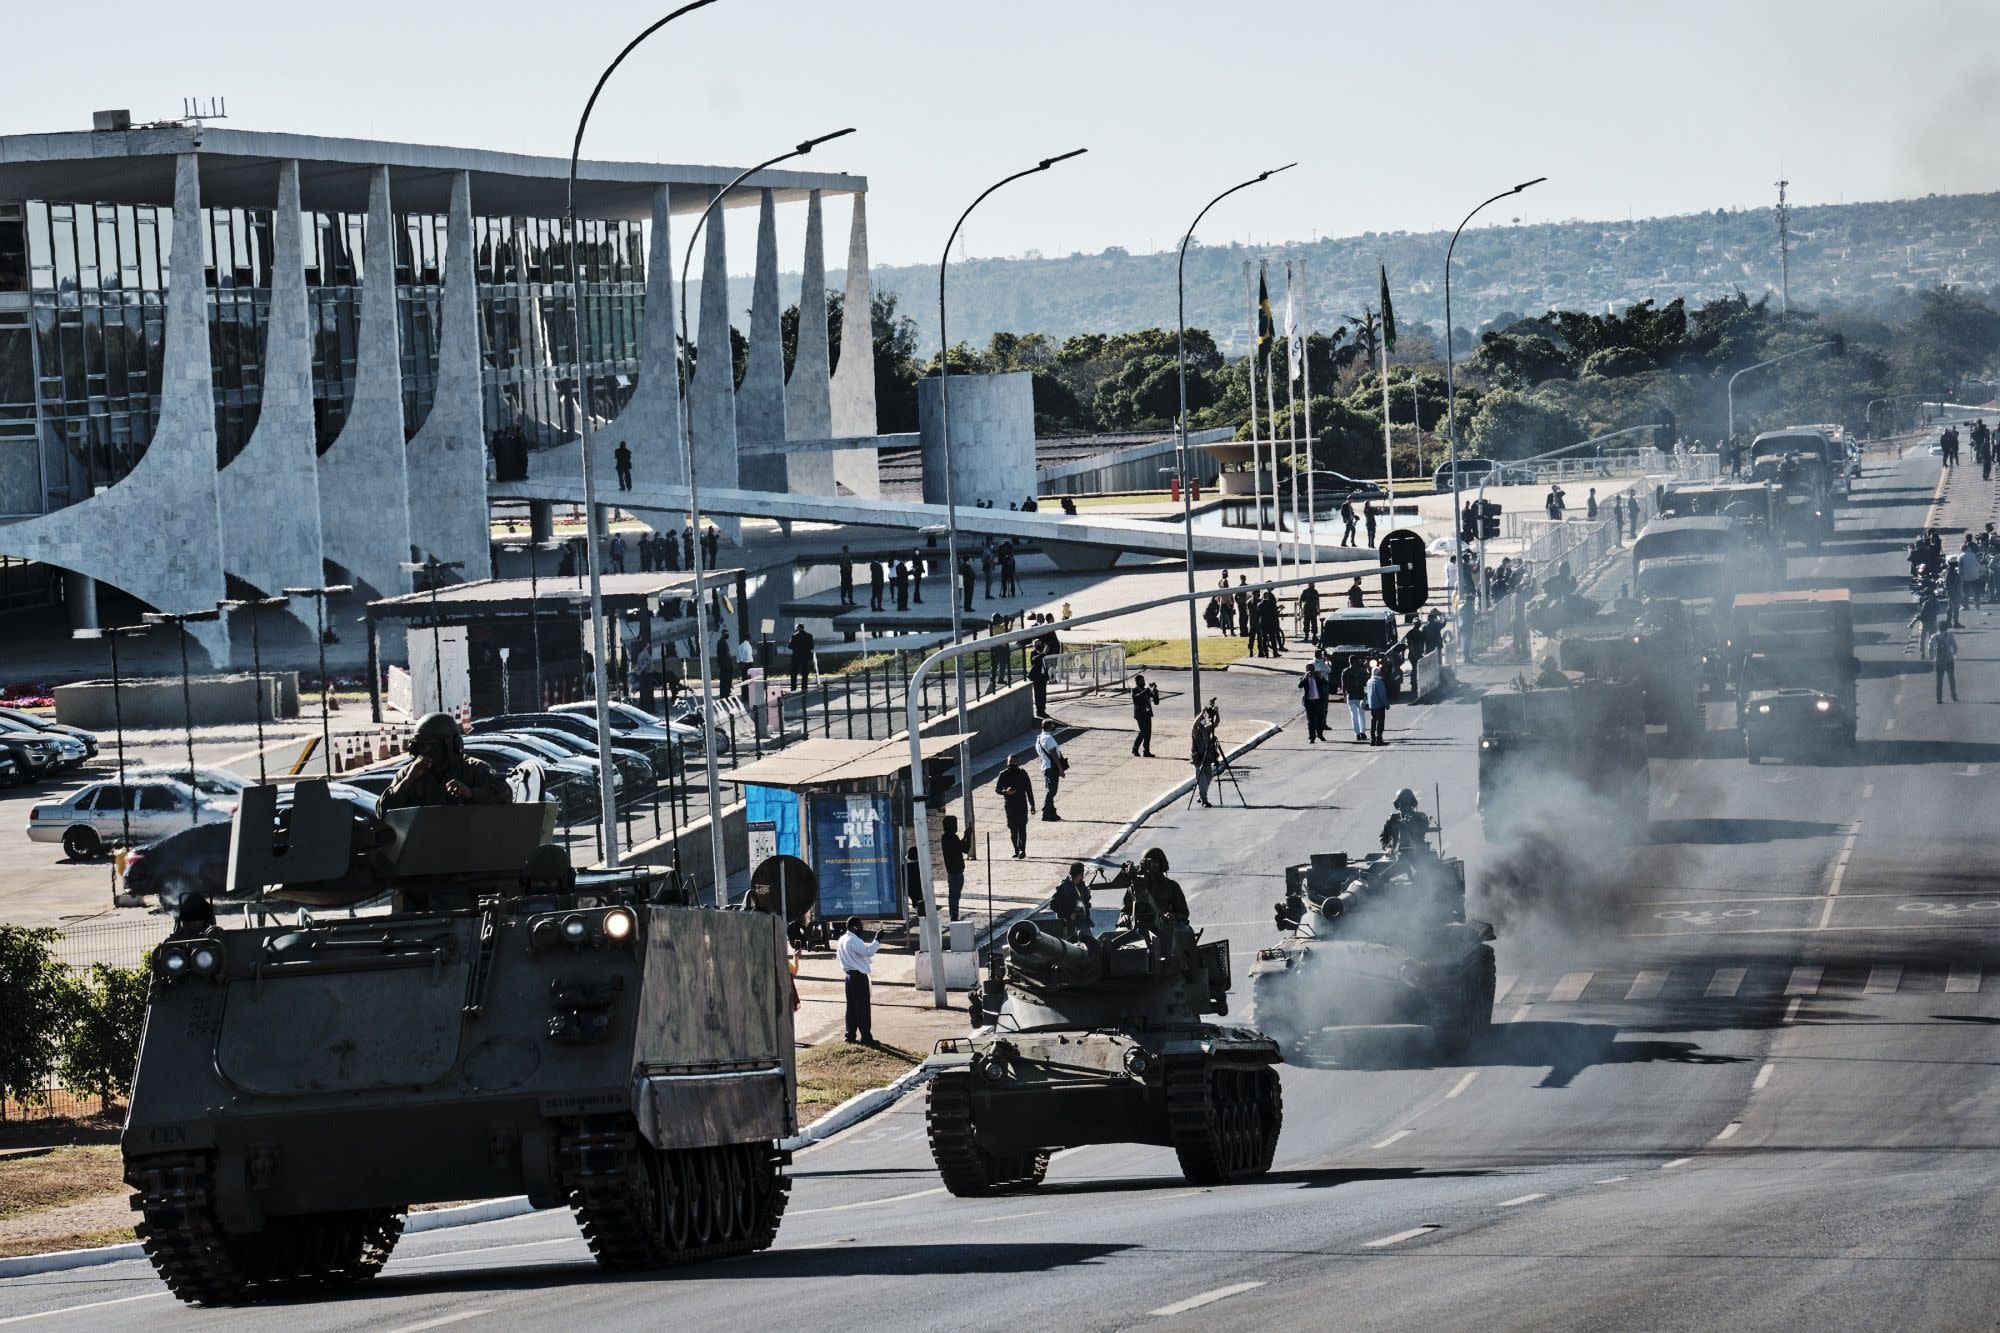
[36,1181]
[833,1071]
[1170,653]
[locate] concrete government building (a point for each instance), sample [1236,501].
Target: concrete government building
[322,403]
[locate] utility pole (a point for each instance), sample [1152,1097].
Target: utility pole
[1784,251]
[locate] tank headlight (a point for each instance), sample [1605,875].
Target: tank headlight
[575,929]
[1137,1061]
[618,926]
[206,959]
[1763,708]
[544,933]
[174,962]
[1823,705]
[1488,745]
[990,1069]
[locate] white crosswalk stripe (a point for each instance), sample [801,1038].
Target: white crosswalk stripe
[1805,981]
[1726,982]
[1883,979]
[1502,987]
[1647,985]
[1962,981]
[1748,985]
[1570,988]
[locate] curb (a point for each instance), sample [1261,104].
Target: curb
[55,1261]
[856,1109]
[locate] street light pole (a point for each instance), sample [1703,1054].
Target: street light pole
[111,634]
[1480,592]
[951,582]
[606,791]
[721,356]
[253,605]
[1451,379]
[1831,342]
[431,569]
[319,596]
[1180,356]
[180,621]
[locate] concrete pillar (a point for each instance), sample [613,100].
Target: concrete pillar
[363,476]
[760,401]
[853,388]
[808,393]
[446,458]
[992,438]
[80,597]
[712,395]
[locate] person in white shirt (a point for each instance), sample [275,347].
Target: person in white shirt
[1053,764]
[856,955]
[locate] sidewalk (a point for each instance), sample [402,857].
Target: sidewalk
[1105,789]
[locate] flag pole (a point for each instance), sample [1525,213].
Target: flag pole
[1256,464]
[1294,355]
[1312,506]
[1271,421]
[1388,457]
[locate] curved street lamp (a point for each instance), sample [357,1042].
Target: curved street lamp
[606,791]
[1180,354]
[709,723]
[950,503]
[1450,362]
[1816,347]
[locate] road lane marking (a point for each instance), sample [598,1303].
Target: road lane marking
[1883,979]
[1729,1130]
[1525,1198]
[440,1321]
[865,1203]
[1570,988]
[1399,1134]
[79,1309]
[1678,1161]
[1972,770]
[1044,1212]
[455,1255]
[1725,983]
[1792,1009]
[1610,1180]
[1793,930]
[1890,725]
[1839,872]
[1962,981]
[1763,1077]
[1520,1013]
[1647,985]
[1805,981]
[1672,799]
[1206,1298]
[1461,1085]
[1868,791]
[1399,1237]
[1501,987]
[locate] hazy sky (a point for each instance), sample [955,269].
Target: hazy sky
[1402,115]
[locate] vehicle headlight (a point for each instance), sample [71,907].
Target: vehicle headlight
[1486,744]
[543,935]
[1763,708]
[173,962]
[575,929]
[1824,705]
[618,925]
[206,958]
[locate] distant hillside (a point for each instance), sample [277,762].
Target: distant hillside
[1843,255]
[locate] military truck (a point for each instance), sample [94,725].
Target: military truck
[1103,1040]
[1655,651]
[1549,755]
[1379,942]
[1751,505]
[1802,465]
[1797,671]
[301,1083]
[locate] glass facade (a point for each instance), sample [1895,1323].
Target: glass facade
[82,319]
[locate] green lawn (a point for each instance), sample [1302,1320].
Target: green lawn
[1173,653]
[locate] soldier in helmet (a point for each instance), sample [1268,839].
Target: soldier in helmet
[1151,899]
[1407,828]
[441,773]
[547,874]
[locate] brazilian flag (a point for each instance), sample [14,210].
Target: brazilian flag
[1266,331]
[1388,312]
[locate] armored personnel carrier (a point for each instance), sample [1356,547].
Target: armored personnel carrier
[493,1033]
[1102,1040]
[1383,941]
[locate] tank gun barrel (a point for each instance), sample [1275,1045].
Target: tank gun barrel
[1034,947]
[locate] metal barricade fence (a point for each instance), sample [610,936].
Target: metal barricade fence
[1087,669]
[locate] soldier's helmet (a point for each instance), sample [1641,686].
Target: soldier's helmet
[438,728]
[1154,860]
[1406,800]
[547,870]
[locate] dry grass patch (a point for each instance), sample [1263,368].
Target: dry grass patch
[35,1182]
[833,1071]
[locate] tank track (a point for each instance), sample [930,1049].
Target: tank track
[1223,1119]
[204,1265]
[639,1207]
[968,1170]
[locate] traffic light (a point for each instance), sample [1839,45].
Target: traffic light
[1468,523]
[1489,519]
[1410,587]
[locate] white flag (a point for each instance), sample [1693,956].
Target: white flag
[1295,350]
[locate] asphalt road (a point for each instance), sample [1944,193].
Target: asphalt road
[1745,1074]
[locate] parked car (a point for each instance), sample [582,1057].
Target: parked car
[19,719]
[10,772]
[635,725]
[657,744]
[197,859]
[216,783]
[571,785]
[634,769]
[1326,488]
[39,755]
[549,752]
[89,822]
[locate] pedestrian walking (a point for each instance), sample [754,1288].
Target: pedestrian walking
[621,458]
[965,579]
[1378,705]
[901,573]
[1926,621]
[1054,764]
[856,956]
[1347,522]
[1618,518]
[1038,678]
[846,578]
[1009,587]
[725,665]
[1590,505]
[1354,688]
[1944,661]
[801,644]
[1144,699]
[875,585]
[1017,796]
[1954,594]
[617,553]
[712,545]
[913,884]
[917,577]
[1312,692]
[987,565]
[1309,613]
[1205,752]
[954,847]
[645,544]
[687,547]
[1354,594]
[1243,605]
[1368,515]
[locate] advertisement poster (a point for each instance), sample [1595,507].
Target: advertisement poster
[854,855]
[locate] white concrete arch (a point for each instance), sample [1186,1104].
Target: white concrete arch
[446,458]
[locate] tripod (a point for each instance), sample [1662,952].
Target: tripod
[1224,772]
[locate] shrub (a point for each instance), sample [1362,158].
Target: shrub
[100,1047]
[39,997]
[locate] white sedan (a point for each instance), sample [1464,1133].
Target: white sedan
[92,821]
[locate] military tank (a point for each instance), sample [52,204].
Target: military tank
[1376,943]
[485,1032]
[1102,1040]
